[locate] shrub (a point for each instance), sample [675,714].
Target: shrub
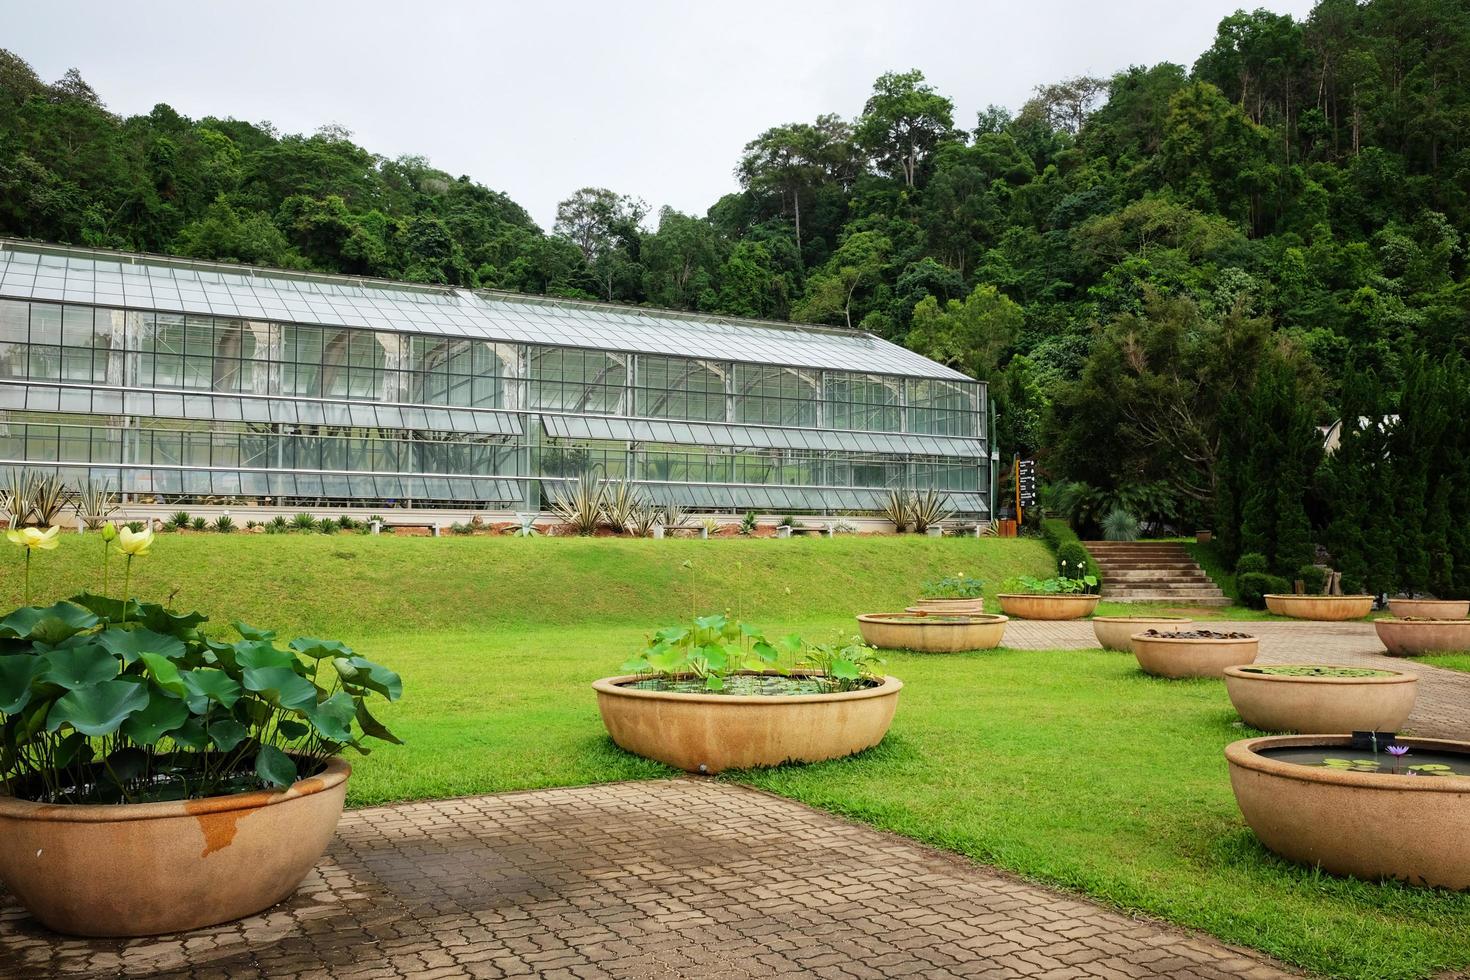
[1314,579]
[137,526]
[1252,588]
[747,523]
[179,521]
[277,525]
[327,526]
[224,524]
[1251,563]
[581,505]
[1119,525]
[459,527]
[1073,556]
[199,524]
[347,523]
[1058,534]
[303,522]
[929,509]
[899,509]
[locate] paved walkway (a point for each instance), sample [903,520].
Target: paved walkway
[674,878]
[1442,709]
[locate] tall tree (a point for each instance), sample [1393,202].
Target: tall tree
[903,123]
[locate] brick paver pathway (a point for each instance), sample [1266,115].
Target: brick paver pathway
[1442,709]
[673,878]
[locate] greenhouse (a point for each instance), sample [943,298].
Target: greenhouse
[178,381]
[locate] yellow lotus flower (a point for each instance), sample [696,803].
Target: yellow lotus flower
[34,539]
[135,544]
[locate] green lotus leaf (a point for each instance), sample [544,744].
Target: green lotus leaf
[161,715]
[125,765]
[291,729]
[226,734]
[251,633]
[715,656]
[372,727]
[376,677]
[109,609]
[130,643]
[76,667]
[165,674]
[49,625]
[160,620]
[99,709]
[765,651]
[319,649]
[333,717]
[282,686]
[261,653]
[714,682]
[76,747]
[211,685]
[275,767]
[1431,767]
[191,735]
[16,674]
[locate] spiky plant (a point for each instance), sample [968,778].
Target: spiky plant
[580,506]
[675,517]
[48,500]
[1119,525]
[644,517]
[16,496]
[899,509]
[180,520]
[303,522]
[327,526]
[620,503]
[95,503]
[929,509]
[224,524]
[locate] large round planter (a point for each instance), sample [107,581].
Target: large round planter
[1412,637]
[1166,656]
[1321,705]
[1368,825]
[932,633]
[949,607]
[1430,608]
[709,733]
[148,868]
[1116,632]
[1025,606]
[1322,608]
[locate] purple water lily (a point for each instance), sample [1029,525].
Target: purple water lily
[1398,752]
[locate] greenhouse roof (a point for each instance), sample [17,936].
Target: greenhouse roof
[121,279]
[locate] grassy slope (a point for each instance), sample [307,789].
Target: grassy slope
[1068,767]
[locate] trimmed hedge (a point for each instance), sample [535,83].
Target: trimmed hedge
[1253,587]
[1065,544]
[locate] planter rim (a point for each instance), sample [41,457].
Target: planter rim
[1244,754]
[1197,639]
[337,770]
[1396,676]
[921,619]
[1075,596]
[1396,621]
[1142,619]
[614,686]
[1315,598]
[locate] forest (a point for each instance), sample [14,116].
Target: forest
[1151,269]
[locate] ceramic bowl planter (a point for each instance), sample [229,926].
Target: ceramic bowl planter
[148,868]
[1196,653]
[1368,824]
[1116,632]
[708,733]
[1413,637]
[931,632]
[949,607]
[1025,605]
[1322,608]
[1321,699]
[1430,608]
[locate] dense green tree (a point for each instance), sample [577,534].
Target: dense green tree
[904,121]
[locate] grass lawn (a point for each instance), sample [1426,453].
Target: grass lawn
[1071,768]
[1452,661]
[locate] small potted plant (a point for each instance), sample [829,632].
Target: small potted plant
[715,694]
[1321,698]
[957,593]
[1192,653]
[1063,596]
[1369,805]
[157,778]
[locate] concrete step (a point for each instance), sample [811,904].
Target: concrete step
[1211,602]
[1161,574]
[1146,566]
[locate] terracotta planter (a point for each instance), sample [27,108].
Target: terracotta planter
[1412,637]
[1321,705]
[962,607]
[148,868]
[1165,656]
[931,632]
[1116,632]
[1430,608]
[1026,606]
[709,733]
[1203,537]
[1322,608]
[1368,825]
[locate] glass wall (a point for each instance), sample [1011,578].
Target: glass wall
[53,344]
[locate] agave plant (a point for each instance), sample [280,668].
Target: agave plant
[581,505]
[1119,525]
[929,509]
[224,524]
[200,523]
[303,522]
[95,504]
[620,503]
[180,520]
[525,526]
[675,517]
[643,520]
[16,496]
[48,500]
[899,509]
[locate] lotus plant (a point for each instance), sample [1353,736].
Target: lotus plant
[30,539]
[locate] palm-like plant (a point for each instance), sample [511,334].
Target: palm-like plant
[95,504]
[929,509]
[16,496]
[224,524]
[1119,525]
[581,505]
[180,520]
[303,522]
[899,509]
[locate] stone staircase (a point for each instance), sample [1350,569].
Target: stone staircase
[1151,571]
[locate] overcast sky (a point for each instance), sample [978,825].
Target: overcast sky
[653,99]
